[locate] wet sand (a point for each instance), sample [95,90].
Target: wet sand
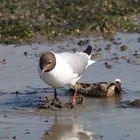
[99,118]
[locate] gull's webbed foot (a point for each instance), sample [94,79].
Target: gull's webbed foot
[56,102]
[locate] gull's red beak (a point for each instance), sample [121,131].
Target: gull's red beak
[45,69]
[41,73]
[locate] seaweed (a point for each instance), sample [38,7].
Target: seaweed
[22,21]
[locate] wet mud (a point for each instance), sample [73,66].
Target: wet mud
[101,118]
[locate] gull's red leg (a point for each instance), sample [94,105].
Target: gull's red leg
[74,96]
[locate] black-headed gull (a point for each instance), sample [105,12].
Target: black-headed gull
[59,69]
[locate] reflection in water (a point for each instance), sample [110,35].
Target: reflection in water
[66,129]
[63,130]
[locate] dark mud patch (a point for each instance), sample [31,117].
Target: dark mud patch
[43,98]
[64,103]
[22,91]
[28,99]
[131,99]
[37,99]
[130,104]
[14,101]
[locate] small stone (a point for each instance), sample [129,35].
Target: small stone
[17,92]
[46,133]
[3,61]
[115,54]
[108,48]
[116,59]
[14,137]
[39,97]
[112,39]
[74,50]
[138,39]
[25,53]
[123,47]
[77,30]
[128,60]
[136,54]
[5,116]
[116,42]
[27,133]
[107,65]
[136,103]
[83,42]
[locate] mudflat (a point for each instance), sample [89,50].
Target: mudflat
[21,92]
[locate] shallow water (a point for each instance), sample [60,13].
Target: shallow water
[98,118]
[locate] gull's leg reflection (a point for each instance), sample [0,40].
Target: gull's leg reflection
[67,129]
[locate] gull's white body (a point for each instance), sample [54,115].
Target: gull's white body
[68,69]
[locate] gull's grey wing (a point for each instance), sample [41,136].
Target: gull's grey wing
[77,61]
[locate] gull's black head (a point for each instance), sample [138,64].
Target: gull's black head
[47,62]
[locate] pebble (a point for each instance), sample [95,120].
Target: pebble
[123,48]
[5,116]
[128,60]
[27,133]
[46,120]
[107,65]
[136,54]
[108,47]
[136,103]
[116,43]
[3,61]
[25,53]
[83,42]
[138,40]
[116,59]
[14,137]
[74,50]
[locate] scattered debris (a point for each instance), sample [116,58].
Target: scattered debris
[83,42]
[123,48]
[108,48]
[3,61]
[5,116]
[107,65]
[48,103]
[135,103]
[14,137]
[136,54]
[25,53]
[138,39]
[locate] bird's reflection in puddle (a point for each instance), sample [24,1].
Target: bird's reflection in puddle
[67,130]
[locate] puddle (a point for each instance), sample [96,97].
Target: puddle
[21,90]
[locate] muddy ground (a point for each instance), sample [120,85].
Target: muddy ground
[21,92]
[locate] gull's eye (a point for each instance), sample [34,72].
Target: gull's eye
[50,62]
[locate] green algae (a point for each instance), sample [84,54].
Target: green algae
[22,21]
[123,47]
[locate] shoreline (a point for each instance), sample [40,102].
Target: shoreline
[31,21]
